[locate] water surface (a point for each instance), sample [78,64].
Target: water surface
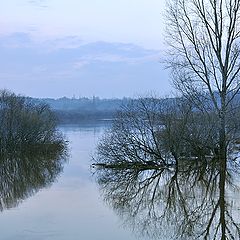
[71,207]
[67,205]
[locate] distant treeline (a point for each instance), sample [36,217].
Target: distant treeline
[70,110]
[73,110]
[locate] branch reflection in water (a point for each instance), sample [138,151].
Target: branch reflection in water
[25,172]
[163,182]
[190,201]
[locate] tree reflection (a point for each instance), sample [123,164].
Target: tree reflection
[160,167]
[24,173]
[192,200]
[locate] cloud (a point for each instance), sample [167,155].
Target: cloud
[68,66]
[116,58]
[16,40]
[80,64]
[39,3]
[70,42]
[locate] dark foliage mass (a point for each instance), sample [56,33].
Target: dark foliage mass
[32,151]
[24,123]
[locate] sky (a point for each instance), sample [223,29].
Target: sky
[105,48]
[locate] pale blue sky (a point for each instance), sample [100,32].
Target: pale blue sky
[130,21]
[54,48]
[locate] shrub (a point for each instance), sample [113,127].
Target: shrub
[26,123]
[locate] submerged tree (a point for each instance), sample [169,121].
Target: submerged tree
[205,56]
[160,132]
[159,165]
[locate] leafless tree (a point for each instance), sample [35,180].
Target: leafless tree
[203,36]
[150,132]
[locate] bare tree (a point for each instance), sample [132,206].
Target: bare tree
[205,55]
[153,133]
[153,169]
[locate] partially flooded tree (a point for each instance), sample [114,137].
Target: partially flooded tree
[24,123]
[133,137]
[205,56]
[32,151]
[151,132]
[159,165]
[164,149]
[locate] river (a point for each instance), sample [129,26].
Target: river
[71,208]
[68,205]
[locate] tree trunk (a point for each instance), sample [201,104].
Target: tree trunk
[222,129]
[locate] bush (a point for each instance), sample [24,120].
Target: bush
[25,123]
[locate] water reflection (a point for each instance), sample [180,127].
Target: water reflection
[193,200]
[25,172]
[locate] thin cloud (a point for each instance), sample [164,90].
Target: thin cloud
[114,58]
[39,3]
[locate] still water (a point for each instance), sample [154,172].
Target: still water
[46,197]
[70,208]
